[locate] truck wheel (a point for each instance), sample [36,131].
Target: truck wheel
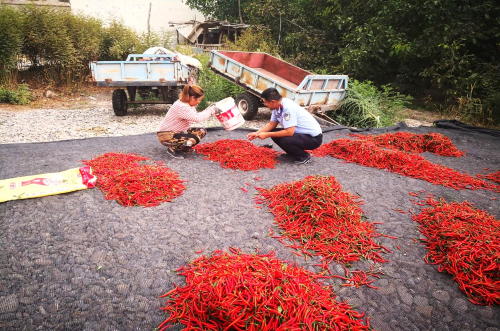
[248,105]
[119,100]
[174,94]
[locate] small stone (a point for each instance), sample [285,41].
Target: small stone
[459,305]
[425,311]
[50,94]
[421,301]
[441,295]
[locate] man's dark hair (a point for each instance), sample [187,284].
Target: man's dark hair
[271,94]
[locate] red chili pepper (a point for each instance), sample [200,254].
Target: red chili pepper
[124,178]
[238,154]
[414,143]
[319,217]
[464,242]
[367,153]
[494,177]
[256,292]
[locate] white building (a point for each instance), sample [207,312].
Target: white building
[135,13]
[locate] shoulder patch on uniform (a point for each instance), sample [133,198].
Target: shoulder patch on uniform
[287,116]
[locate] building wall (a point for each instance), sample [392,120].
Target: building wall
[134,13]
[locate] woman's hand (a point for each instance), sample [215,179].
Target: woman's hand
[213,109]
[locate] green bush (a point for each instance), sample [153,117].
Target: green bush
[216,88]
[253,40]
[59,45]
[21,96]
[368,106]
[11,41]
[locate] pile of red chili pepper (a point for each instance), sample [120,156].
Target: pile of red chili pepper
[412,165]
[125,178]
[236,291]
[238,154]
[414,143]
[465,242]
[317,215]
[359,277]
[494,177]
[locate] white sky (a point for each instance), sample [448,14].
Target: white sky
[135,12]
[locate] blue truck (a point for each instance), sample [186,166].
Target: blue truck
[162,76]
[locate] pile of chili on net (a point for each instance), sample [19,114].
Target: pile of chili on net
[436,143]
[412,165]
[238,154]
[465,242]
[236,291]
[125,178]
[318,215]
[494,177]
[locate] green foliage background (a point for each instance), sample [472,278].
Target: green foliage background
[216,88]
[448,47]
[59,45]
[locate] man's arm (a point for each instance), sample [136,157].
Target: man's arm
[265,132]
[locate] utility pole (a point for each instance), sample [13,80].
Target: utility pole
[149,19]
[239,11]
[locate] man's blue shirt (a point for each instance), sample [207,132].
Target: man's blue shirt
[291,114]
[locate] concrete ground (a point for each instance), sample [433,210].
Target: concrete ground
[76,261]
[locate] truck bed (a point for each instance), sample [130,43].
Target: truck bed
[255,72]
[142,70]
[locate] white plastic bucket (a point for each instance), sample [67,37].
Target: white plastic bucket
[229,116]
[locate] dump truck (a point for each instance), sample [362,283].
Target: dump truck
[256,71]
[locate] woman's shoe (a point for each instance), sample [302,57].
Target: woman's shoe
[174,154]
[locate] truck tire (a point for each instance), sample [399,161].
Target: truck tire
[119,100]
[248,104]
[174,94]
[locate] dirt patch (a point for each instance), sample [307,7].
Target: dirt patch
[85,97]
[419,115]
[93,96]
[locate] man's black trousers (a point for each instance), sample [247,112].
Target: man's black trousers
[296,145]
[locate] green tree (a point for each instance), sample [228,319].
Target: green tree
[220,9]
[11,41]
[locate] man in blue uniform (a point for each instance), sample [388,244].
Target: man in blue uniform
[300,132]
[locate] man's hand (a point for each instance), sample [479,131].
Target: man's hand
[260,135]
[252,135]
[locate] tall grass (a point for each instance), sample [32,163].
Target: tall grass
[369,106]
[471,110]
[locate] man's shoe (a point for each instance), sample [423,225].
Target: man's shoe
[174,154]
[305,161]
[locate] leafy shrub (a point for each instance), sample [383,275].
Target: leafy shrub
[253,40]
[471,110]
[20,96]
[11,40]
[216,88]
[368,106]
[57,46]
[118,41]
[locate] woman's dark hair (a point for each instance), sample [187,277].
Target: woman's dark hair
[271,94]
[191,91]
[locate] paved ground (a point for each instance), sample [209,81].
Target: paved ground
[51,247]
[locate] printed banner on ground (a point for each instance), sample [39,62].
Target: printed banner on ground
[47,184]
